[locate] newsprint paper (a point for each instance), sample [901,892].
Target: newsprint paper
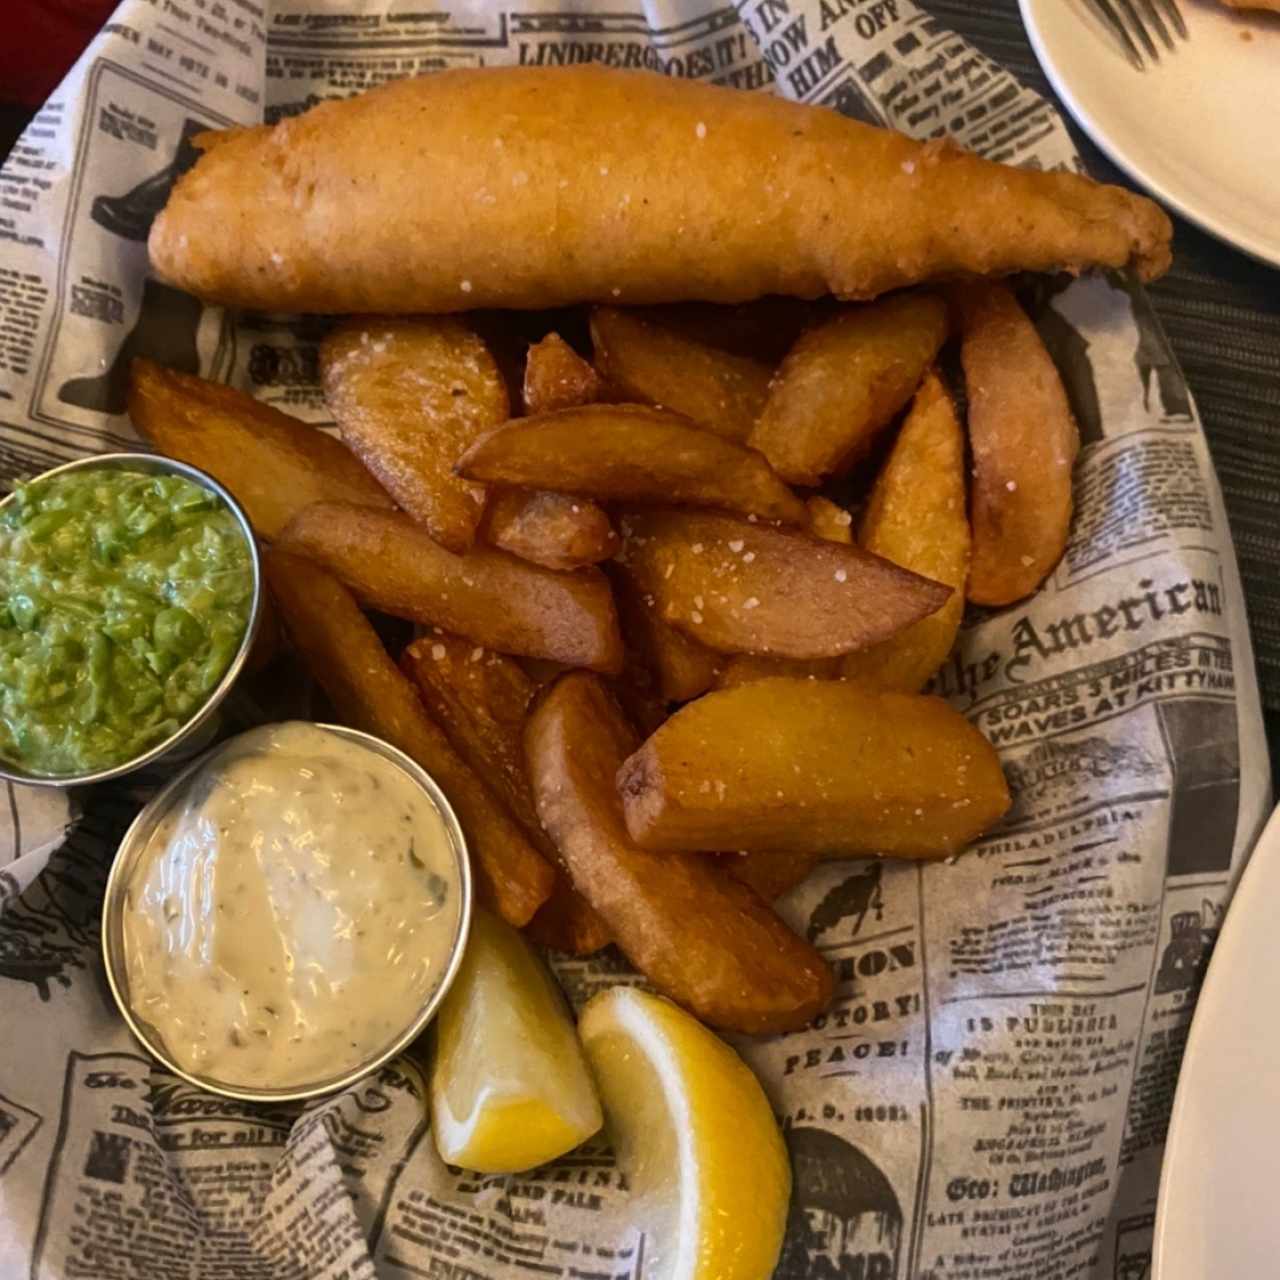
[988,1095]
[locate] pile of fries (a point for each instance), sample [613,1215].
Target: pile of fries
[658,673]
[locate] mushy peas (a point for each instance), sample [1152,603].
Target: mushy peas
[124,597]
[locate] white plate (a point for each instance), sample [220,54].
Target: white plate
[1218,1214]
[1201,130]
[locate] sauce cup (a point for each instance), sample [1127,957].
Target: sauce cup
[170,747]
[134,845]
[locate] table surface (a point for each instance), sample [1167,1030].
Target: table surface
[1222,313]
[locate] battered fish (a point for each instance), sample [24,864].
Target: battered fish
[529,187]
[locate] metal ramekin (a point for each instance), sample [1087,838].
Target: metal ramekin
[153,464]
[134,845]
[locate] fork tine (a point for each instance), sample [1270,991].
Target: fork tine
[1113,20]
[1158,22]
[1135,18]
[1175,16]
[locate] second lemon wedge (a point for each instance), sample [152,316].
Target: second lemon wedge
[695,1135]
[509,1086]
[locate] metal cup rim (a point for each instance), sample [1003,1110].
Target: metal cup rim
[134,842]
[157,464]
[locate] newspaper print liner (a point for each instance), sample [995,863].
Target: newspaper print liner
[989,1092]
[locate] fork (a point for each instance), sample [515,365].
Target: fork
[1115,14]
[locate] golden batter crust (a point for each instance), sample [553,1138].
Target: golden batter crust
[535,187]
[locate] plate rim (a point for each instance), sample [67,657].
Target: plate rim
[1254,881]
[1265,252]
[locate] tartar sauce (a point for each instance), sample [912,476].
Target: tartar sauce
[294,909]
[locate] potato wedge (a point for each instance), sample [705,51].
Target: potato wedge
[637,694]
[830,521]
[488,596]
[272,463]
[1024,443]
[814,766]
[681,668]
[630,453]
[769,872]
[834,524]
[557,377]
[648,361]
[555,530]
[746,588]
[567,922]
[347,659]
[638,688]
[542,671]
[409,395]
[916,518]
[744,668]
[552,529]
[701,937]
[481,700]
[844,381]
[763,329]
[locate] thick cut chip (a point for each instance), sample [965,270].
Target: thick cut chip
[1024,443]
[746,588]
[638,696]
[744,668]
[770,872]
[557,377]
[697,934]
[486,595]
[830,521]
[916,518]
[814,766]
[844,381]
[556,530]
[567,922]
[542,671]
[347,659]
[680,667]
[835,524]
[631,453]
[481,700]
[763,329]
[273,464]
[409,395]
[638,688]
[648,361]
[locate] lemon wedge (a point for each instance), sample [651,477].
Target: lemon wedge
[695,1135]
[510,1088]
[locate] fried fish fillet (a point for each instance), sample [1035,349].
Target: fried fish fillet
[527,187]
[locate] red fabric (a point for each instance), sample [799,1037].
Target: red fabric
[42,38]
